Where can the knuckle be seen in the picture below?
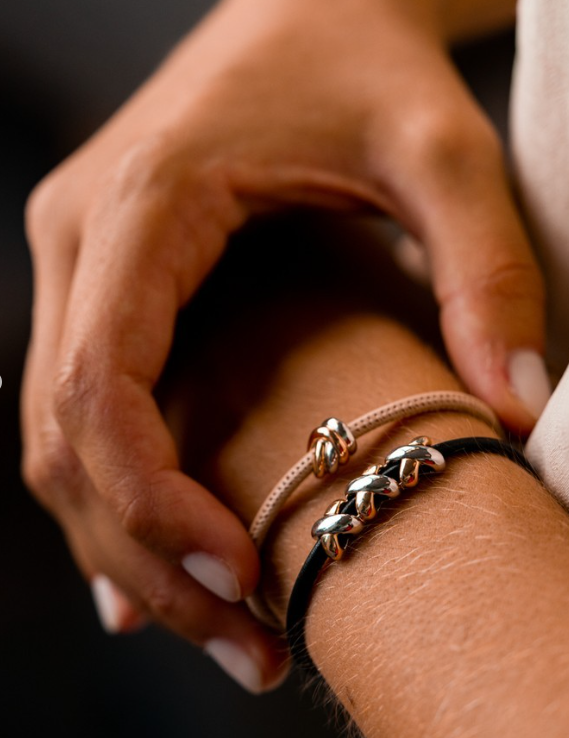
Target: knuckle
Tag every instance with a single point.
(52, 214)
(143, 168)
(39, 207)
(512, 280)
(449, 142)
(76, 389)
(136, 513)
(52, 471)
(161, 601)
(155, 171)
(504, 284)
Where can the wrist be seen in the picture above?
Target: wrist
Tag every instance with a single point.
(434, 598)
(327, 376)
(283, 561)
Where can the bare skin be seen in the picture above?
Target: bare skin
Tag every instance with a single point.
(467, 18)
(264, 106)
(449, 617)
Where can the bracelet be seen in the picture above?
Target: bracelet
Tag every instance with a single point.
(333, 443)
(346, 518)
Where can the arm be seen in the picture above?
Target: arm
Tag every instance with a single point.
(450, 617)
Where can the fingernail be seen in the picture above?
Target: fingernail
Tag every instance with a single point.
(107, 603)
(213, 574)
(412, 257)
(529, 380)
(236, 663)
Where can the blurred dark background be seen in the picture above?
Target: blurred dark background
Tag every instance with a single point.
(65, 66)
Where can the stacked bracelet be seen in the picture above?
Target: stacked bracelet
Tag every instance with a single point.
(364, 495)
(333, 443)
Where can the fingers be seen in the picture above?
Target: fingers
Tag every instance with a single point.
(119, 317)
(49, 464)
(137, 587)
(144, 251)
(489, 288)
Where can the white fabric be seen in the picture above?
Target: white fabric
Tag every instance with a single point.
(540, 142)
(548, 445)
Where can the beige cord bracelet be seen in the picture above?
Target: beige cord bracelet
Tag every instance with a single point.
(334, 442)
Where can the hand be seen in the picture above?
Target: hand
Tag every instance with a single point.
(341, 105)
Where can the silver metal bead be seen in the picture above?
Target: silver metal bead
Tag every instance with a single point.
(342, 523)
(331, 545)
(377, 483)
(423, 454)
(365, 505)
(412, 457)
(335, 507)
(326, 442)
(332, 457)
(343, 430)
(319, 458)
(409, 473)
(334, 524)
(321, 432)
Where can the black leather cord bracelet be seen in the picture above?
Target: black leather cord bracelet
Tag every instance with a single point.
(349, 516)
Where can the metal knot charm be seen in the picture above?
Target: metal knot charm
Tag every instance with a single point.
(332, 444)
(334, 524)
(366, 489)
(416, 454)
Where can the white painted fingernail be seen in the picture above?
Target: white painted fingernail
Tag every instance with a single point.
(213, 574)
(529, 380)
(108, 603)
(236, 663)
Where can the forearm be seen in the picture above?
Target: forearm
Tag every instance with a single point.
(448, 619)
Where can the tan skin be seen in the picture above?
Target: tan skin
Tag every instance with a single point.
(264, 106)
(450, 617)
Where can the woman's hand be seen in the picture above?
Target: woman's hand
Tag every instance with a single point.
(339, 104)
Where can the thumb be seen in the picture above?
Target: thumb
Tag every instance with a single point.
(487, 282)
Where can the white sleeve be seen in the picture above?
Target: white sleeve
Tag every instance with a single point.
(540, 144)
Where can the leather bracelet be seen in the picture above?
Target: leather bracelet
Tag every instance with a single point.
(426, 402)
(348, 517)
(333, 443)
